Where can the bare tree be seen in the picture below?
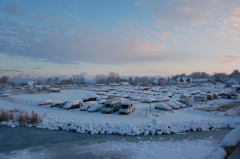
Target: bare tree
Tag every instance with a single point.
(130, 81)
(162, 81)
(144, 80)
(235, 75)
(137, 80)
(82, 80)
(56, 80)
(4, 79)
(101, 79)
(49, 80)
(219, 77)
(38, 82)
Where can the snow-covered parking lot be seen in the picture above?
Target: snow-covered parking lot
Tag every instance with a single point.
(144, 120)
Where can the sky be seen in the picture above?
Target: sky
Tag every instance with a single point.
(42, 38)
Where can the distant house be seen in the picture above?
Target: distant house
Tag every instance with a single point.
(183, 80)
(235, 88)
(233, 81)
(30, 83)
(100, 84)
(200, 80)
(114, 84)
(70, 85)
(125, 84)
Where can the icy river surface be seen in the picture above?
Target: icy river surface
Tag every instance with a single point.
(23, 142)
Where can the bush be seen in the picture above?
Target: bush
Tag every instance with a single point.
(23, 116)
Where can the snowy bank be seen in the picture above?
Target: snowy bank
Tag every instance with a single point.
(230, 143)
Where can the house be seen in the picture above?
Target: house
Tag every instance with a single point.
(200, 80)
(30, 83)
(235, 88)
(233, 81)
(124, 84)
(114, 84)
(183, 80)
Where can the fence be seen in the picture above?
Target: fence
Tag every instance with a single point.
(149, 112)
(21, 101)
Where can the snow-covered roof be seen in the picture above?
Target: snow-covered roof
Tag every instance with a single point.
(233, 80)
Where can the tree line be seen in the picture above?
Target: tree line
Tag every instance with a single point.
(113, 77)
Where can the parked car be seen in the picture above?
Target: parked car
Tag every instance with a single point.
(73, 104)
(230, 96)
(162, 98)
(181, 105)
(127, 107)
(5, 95)
(186, 103)
(200, 98)
(87, 105)
(137, 98)
(209, 96)
(102, 101)
(45, 102)
(86, 99)
(150, 100)
(163, 106)
(55, 103)
(173, 105)
(111, 106)
(95, 108)
(61, 105)
(215, 95)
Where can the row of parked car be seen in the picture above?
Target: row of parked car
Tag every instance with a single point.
(110, 106)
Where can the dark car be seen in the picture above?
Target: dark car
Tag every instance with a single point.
(90, 99)
(61, 105)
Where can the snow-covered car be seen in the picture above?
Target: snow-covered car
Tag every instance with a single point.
(86, 99)
(55, 103)
(194, 93)
(61, 105)
(73, 104)
(102, 101)
(150, 100)
(95, 108)
(117, 95)
(126, 95)
(169, 94)
(45, 102)
(5, 95)
(186, 103)
(162, 98)
(137, 98)
(87, 105)
(163, 106)
(144, 99)
(171, 104)
(181, 105)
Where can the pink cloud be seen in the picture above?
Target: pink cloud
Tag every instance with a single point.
(231, 59)
(236, 11)
(23, 76)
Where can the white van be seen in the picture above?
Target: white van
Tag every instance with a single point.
(111, 106)
(127, 107)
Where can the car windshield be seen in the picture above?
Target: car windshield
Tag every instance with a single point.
(124, 106)
(107, 105)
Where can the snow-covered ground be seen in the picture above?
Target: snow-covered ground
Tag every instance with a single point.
(156, 122)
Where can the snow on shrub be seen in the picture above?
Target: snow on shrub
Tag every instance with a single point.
(23, 117)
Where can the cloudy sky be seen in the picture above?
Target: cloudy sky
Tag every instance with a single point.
(42, 38)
